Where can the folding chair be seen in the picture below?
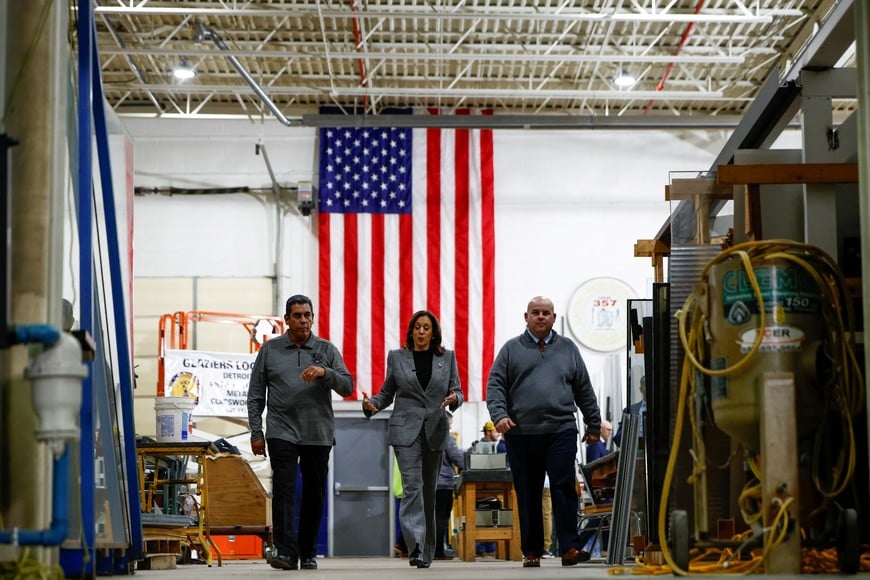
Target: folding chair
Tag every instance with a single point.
(593, 519)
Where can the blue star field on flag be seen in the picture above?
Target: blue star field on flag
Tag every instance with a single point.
(365, 170)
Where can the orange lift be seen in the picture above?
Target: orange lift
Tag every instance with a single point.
(175, 329)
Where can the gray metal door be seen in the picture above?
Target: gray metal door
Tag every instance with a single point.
(361, 496)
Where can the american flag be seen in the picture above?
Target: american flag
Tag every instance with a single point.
(406, 222)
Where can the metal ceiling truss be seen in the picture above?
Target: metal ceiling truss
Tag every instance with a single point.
(515, 57)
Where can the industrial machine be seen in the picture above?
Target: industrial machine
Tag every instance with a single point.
(483, 455)
(769, 347)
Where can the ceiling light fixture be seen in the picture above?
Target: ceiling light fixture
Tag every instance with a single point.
(184, 71)
(624, 79)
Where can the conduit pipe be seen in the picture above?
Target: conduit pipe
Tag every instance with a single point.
(683, 39)
(6, 144)
(56, 375)
(357, 38)
(30, 333)
(56, 533)
(279, 231)
(205, 33)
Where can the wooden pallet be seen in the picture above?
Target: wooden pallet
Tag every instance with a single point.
(162, 548)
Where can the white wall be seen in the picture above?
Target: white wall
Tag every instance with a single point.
(569, 207)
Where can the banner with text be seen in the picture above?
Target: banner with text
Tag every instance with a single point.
(218, 381)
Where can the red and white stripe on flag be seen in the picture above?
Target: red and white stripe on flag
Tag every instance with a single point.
(379, 262)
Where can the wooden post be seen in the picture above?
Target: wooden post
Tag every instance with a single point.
(656, 250)
(779, 467)
(752, 193)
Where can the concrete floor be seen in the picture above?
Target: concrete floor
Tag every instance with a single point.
(382, 569)
(394, 568)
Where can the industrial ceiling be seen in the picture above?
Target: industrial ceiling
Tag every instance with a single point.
(288, 58)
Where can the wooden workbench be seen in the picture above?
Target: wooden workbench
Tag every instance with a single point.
(476, 484)
(239, 505)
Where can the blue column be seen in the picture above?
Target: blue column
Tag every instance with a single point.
(125, 365)
(81, 561)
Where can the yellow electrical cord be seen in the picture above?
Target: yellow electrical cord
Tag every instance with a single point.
(672, 460)
(27, 567)
(687, 307)
(750, 512)
(847, 393)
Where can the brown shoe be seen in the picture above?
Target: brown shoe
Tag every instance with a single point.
(573, 556)
(284, 563)
(531, 561)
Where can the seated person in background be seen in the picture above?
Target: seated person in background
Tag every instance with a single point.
(599, 449)
(491, 435)
(638, 408)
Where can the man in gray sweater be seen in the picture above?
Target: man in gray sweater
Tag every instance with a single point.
(536, 383)
(293, 377)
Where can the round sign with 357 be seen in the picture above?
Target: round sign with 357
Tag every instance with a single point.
(597, 313)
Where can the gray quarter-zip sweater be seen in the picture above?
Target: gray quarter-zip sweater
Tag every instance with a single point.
(297, 411)
(541, 391)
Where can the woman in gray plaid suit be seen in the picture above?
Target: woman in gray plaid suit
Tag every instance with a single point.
(423, 379)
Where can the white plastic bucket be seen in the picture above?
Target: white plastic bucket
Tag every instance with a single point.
(173, 417)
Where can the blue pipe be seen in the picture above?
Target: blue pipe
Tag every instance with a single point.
(56, 534)
(28, 333)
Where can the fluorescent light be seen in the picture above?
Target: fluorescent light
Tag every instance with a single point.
(624, 79)
(184, 71)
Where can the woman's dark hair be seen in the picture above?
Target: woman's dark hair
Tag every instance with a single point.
(298, 299)
(435, 343)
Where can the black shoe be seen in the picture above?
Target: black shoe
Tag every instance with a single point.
(283, 563)
(309, 564)
(418, 560)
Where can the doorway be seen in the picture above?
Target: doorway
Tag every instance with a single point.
(360, 488)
